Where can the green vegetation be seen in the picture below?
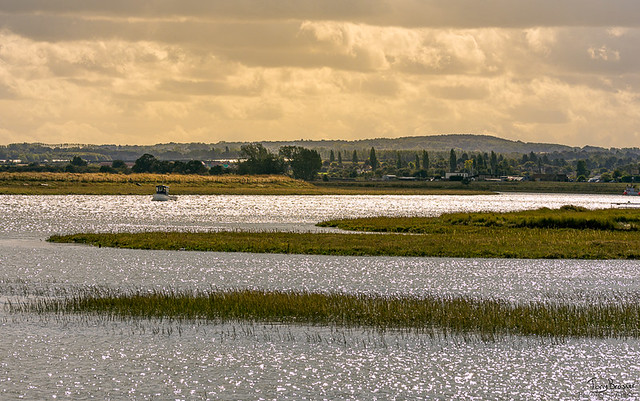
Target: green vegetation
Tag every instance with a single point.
(305, 163)
(487, 318)
(483, 186)
(569, 233)
(478, 156)
(144, 184)
(567, 217)
(44, 183)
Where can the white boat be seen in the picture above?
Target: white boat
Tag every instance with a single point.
(162, 194)
(631, 191)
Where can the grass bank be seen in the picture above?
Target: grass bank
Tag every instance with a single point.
(568, 233)
(144, 184)
(566, 217)
(452, 314)
(488, 186)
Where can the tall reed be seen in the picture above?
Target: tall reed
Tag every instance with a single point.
(450, 313)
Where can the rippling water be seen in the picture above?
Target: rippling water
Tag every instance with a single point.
(43, 215)
(84, 356)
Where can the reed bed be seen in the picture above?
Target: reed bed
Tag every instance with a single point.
(445, 241)
(494, 186)
(143, 184)
(487, 318)
(568, 216)
(151, 178)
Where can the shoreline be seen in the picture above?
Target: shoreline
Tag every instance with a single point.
(144, 184)
(570, 232)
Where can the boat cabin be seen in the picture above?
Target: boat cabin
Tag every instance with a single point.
(162, 189)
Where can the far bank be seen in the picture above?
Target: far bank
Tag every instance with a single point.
(144, 184)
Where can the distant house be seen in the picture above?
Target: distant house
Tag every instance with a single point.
(389, 177)
(511, 178)
(488, 177)
(224, 163)
(456, 175)
(550, 177)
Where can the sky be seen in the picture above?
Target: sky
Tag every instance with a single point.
(146, 72)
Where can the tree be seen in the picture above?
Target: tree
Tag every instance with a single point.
(177, 167)
(78, 162)
(354, 158)
(417, 162)
(479, 162)
(425, 161)
(581, 168)
(118, 164)
(494, 163)
(332, 156)
(195, 167)
(468, 166)
(216, 170)
(373, 160)
(398, 161)
(305, 163)
(453, 161)
(617, 174)
(259, 160)
(340, 158)
(145, 164)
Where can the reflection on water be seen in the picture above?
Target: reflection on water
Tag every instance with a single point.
(162, 360)
(44, 215)
(42, 356)
(36, 267)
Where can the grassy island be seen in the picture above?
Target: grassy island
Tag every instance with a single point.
(144, 184)
(567, 233)
(486, 318)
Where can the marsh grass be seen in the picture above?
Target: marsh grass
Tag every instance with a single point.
(568, 216)
(150, 178)
(487, 243)
(492, 186)
(144, 184)
(487, 318)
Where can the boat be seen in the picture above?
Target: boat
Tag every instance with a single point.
(631, 191)
(162, 194)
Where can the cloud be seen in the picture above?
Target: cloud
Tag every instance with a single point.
(459, 91)
(408, 13)
(144, 72)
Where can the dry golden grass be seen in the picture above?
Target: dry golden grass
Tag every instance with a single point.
(153, 178)
(143, 184)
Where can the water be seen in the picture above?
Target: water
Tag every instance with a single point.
(79, 357)
(43, 215)
(35, 267)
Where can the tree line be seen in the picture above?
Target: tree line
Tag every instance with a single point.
(306, 164)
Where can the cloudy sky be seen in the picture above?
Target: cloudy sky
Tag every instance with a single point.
(144, 72)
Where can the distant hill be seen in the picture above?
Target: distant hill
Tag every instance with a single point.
(465, 142)
(202, 151)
